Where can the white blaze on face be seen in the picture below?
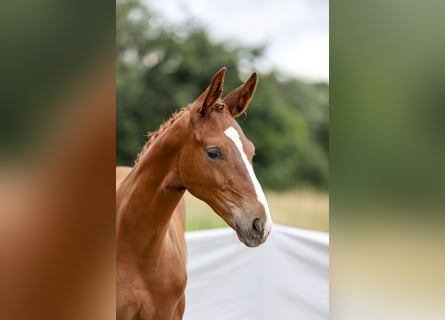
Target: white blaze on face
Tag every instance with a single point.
(234, 136)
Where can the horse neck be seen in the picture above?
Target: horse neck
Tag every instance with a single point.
(146, 199)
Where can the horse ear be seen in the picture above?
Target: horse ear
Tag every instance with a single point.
(212, 93)
(238, 99)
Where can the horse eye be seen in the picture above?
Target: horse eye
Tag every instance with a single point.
(214, 153)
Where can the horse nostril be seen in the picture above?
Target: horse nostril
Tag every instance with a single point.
(257, 227)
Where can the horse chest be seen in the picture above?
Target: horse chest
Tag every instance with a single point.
(165, 285)
(165, 278)
(158, 289)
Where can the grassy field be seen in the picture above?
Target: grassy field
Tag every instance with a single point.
(304, 209)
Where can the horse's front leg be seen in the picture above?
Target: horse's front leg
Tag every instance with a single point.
(179, 313)
(127, 313)
(127, 307)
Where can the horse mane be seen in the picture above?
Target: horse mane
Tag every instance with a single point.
(151, 136)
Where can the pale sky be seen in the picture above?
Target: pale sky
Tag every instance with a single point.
(296, 32)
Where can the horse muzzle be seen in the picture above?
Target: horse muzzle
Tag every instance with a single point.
(253, 233)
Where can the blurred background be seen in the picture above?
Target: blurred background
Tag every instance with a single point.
(57, 160)
(166, 55)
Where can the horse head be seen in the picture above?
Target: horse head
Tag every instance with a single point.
(216, 166)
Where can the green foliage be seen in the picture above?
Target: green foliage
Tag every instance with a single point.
(160, 69)
(287, 135)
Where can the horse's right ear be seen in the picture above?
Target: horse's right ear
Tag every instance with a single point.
(238, 99)
(212, 93)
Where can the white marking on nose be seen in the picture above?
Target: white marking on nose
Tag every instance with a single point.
(234, 136)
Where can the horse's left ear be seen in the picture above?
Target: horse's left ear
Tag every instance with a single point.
(239, 99)
(213, 92)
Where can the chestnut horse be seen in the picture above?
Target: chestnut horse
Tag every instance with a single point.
(202, 149)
